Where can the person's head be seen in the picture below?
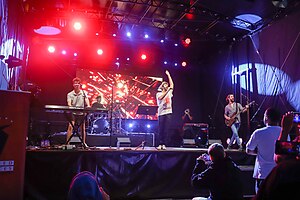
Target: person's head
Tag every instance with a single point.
(163, 86)
(76, 83)
(216, 152)
(99, 99)
(230, 98)
(272, 116)
(84, 186)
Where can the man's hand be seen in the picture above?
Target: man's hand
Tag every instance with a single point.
(168, 73)
(287, 122)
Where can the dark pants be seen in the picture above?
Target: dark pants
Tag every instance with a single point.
(164, 124)
(258, 183)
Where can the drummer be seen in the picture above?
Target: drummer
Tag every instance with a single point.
(98, 103)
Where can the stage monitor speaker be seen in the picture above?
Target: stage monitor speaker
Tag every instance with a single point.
(189, 143)
(123, 142)
(211, 141)
(75, 140)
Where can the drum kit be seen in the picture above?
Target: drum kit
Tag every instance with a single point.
(100, 123)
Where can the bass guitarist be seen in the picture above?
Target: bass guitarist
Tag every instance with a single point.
(233, 119)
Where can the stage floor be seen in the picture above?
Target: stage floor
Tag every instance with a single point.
(125, 172)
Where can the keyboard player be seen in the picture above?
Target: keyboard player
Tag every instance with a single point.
(77, 98)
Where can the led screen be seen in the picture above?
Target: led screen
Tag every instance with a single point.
(121, 93)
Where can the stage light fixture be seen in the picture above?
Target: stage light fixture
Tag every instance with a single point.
(97, 33)
(143, 56)
(77, 26)
(187, 40)
(64, 52)
(146, 36)
(165, 62)
(162, 41)
(47, 30)
(75, 54)
(148, 126)
(128, 34)
(183, 64)
(127, 59)
(114, 35)
(175, 44)
(130, 125)
(99, 51)
(175, 64)
(51, 49)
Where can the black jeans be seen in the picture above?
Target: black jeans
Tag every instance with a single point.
(163, 124)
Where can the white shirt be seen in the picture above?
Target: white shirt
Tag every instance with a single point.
(165, 104)
(264, 140)
(77, 100)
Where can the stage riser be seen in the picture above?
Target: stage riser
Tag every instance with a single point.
(105, 141)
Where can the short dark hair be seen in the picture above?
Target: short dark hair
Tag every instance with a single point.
(227, 98)
(76, 80)
(216, 151)
(273, 114)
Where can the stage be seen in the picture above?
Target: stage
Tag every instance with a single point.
(125, 172)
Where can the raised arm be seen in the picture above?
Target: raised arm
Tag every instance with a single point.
(171, 83)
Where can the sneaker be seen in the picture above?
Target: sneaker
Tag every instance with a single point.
(160, 147)
(163, 147)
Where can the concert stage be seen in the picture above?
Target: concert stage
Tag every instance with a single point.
(125, 173)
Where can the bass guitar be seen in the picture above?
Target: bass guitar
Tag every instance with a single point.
(232, 119)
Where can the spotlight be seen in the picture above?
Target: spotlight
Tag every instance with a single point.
(175, 44)
(175, 64)
(162, 41)
(51, 49)
(148, 126)
(146, 36)
(128, 34)
(99, 51)
(144, 57)
(114, 35)
(127, 59)
(64, 52)
(183, 64)
(165, 62)
(77, 26)
(186, 42)
(75, 54)
(130, 125)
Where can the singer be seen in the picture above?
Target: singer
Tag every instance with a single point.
(77, 98)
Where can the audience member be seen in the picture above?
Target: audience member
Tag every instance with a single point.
(218, 173)
(284, 179)
(84, 186)
(262, 143)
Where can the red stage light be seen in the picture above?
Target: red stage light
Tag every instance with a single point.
(77, 26)
(51, 49)
(183, 64)
(187, 41)
(99, 51)
(143, 56)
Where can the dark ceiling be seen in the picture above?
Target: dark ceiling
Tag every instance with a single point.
(201, 20)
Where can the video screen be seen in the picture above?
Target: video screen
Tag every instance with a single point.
(121, 93)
